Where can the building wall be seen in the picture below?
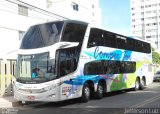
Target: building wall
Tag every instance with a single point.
(11, 26)
(88, 11)
(145, 21)
(17, 16)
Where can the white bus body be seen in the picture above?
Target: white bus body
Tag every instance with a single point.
(71, 59)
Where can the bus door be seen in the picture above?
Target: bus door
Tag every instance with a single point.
(67, 64)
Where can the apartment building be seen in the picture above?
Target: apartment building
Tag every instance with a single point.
(145, 20)
(18, 15)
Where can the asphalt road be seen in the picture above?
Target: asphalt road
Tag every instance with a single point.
(115, 102)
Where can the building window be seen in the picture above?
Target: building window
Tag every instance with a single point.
(22, 10)
(21, 34)
(153, 5)
(154, 24)
(142, 7)
(93, 6)
(75, 6)
(148, 12)
(49, 3)
(147, 24)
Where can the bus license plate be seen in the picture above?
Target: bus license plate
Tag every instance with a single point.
(31, 98)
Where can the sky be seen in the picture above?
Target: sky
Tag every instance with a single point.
(116, 16)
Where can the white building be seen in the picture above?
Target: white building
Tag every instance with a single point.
(145, 20)
(17, 15)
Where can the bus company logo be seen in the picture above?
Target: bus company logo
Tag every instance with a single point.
(114, 55)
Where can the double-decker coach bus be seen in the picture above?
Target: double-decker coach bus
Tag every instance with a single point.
(71, 59)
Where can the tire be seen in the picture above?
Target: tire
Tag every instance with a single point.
(100, 91)
(143, 83)
(86, 93)
(137, 85)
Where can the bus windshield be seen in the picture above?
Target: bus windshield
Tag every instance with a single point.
(42, 35)
(36, 68)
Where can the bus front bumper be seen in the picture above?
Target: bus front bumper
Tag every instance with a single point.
(40, 97)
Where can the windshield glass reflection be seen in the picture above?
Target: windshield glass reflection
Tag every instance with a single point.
(36, 67)
(42, 35)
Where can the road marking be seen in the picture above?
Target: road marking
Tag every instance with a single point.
(145, 102)
(143, 92)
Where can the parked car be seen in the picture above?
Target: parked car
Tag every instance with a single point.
(157, 77)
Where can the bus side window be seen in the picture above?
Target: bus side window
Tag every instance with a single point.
(95, 38)
(93, 68)
(109, 39)
(130, 44)
(139, 46)
(122, 43)
(68, 60)
(147, 48)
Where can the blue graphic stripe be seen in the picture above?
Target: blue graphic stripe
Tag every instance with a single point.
(114, 55)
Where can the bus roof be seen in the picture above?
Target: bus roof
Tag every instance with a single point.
(67, 21)
(93, 26)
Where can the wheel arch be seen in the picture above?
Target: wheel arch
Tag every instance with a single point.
(144, 78)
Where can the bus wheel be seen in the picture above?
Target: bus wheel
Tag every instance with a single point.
(85, 93)
(137, 84)
(99, 92)
(143, 83)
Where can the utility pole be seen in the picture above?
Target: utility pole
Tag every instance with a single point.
(157, 23)
(143, 23)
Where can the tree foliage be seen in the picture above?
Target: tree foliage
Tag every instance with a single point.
(156, 58)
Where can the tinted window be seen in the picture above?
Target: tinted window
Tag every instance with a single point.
(121, 42)
(74, 32)
(130, 44)
(109, 39)
(68, 60)
(109, 67)
(147, 48)
(95, 38)
(139, 46)
(42, 35)
(93, 68)
(98, 37)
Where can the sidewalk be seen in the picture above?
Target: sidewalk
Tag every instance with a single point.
(8, 102)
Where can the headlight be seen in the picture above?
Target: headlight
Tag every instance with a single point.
(47, 88)
(37, 90)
